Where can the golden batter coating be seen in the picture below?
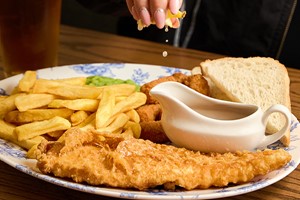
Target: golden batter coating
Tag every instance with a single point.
(110, 160)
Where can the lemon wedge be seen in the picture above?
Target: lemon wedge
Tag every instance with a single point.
(168, 22)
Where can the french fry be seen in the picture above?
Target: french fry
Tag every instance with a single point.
(62, 138)
(118, 123)
(90, 120)
(78, 117)
(115, 131)
(27, 81)
(8, 104)
(30, 130)
(105, 109)
(90, 125)
(40, 109)
(31, 153)
(133, 115)
(31, 101)
(120, 98)
(29, 116)
(134, 127)
(131, 102)
(73, 81)
(2, 98)
(7, 133)
(121, 89)
(75, 104)
(27, 144)
(56, 134)
(6, 130)
(127, 133)
(67, 91)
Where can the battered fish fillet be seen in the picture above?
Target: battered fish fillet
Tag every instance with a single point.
(108, 160)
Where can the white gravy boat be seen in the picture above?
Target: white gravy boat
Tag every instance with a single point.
(198, 122)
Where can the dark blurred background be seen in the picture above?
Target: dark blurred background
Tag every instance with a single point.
(116, 19)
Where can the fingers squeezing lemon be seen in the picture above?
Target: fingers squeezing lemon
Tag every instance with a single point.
(168, 22)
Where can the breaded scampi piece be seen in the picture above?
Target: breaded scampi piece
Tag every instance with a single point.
(180, 77)
(148, 86)
(198, 83)
(151, 128)
(149, 112)
(111, 160)
(153, 131)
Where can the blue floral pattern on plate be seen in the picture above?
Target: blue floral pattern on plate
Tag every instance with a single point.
(140, 73)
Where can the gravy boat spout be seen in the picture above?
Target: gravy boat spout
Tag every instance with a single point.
(198, 122)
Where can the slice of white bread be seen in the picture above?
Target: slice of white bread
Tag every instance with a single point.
(255, 80)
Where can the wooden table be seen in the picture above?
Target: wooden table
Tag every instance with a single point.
(85, 46)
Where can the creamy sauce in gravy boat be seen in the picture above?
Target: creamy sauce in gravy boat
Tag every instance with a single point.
(198, 122)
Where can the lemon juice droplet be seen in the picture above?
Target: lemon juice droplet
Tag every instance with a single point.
(165, 54)
(166, 28)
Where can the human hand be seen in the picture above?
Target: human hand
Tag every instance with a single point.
(149, 11)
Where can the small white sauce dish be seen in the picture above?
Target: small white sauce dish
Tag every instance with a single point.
(198, 122)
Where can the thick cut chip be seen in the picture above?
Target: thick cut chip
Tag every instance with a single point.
(73, 81)
(8, 104)
(78, 117)
(27, 82)
(134, 127)
(56, 134)
(67, 91)
(34, 129)
(75, 104)
(28, 116)
(120, 89)
(105, 109)
(88, 122)
(117, 125)
(7, 133)
(133, 115)
(31, 101)
(135, 100)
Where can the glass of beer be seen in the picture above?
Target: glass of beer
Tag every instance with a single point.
(29, 34)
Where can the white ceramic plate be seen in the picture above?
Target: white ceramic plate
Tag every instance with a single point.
(140, 73)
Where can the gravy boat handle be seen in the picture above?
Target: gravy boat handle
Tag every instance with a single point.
(269, 139)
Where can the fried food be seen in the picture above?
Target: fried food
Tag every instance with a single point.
(148, 86)
(33, 129)
(27, 82)
(196, 82)
(153, 131)
(32, 101)
(111, 160)
(17, 117)
(151, 128)
(8, 104)
(149, 112)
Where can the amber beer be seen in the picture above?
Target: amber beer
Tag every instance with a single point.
(29, 31)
